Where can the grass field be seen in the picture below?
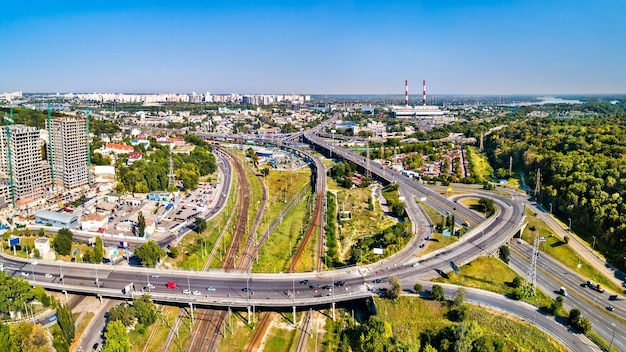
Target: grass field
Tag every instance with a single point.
(558, 249)
(491, 274)
(478, 163)
(411, 316)
(364, 222)
(238, 333)
(274, 255)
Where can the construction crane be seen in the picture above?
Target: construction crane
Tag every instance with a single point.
(8, 120)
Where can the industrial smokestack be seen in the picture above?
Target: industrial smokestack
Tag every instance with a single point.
(406, 93)
(424, 92)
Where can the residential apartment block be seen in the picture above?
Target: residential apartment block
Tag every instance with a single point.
(69, 153)
(27, 163)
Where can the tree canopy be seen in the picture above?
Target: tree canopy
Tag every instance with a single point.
(149, 253)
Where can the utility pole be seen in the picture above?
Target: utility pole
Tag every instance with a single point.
(171, 176)
(531, 275)
(538, 184)
(88, 147)
(50, 152)
(8, 120)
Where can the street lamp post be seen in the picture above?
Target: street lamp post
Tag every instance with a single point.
(593, 246)
(570, 224)
(611, 344)
(550, 208)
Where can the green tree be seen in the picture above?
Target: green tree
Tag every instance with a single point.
(149, 253)
(584, 325)
(372, 335)
(265, 171)
(566, 239)
(505, 253)
(145, 309)
(437, 293)
(97, 250)
(396, 288)
(418, 288)
(123, 313)
(141, 224)
(63, 241)
(574, 316)
(465, 334)
(459, 297)
(200, 223)
(517, 282)
(556, 304)
(116, 338)
(66, 322)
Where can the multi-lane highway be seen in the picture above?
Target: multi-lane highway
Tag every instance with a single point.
(241, 289)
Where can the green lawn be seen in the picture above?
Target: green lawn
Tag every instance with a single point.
(408, 317)
(274, 255)
(478, 163)
(491, 274)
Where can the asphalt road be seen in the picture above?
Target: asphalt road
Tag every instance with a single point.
(552, 275)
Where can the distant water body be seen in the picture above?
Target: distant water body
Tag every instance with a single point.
(547, 100)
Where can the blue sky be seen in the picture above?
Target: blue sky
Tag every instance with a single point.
(314, 47)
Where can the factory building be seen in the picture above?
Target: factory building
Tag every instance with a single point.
(419, 111)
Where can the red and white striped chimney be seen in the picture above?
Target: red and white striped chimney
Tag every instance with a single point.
(424, 92)
(406, 93)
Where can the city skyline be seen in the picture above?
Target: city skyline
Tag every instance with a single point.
(316, 47)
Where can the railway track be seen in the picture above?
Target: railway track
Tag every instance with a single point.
(305, 327)
(260, 329)
(316, 220)
(210, 323)
(230, 261)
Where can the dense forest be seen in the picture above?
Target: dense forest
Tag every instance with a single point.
(582, 166)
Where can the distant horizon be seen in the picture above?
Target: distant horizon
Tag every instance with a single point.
(411, 96)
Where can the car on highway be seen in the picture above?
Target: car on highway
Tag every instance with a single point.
(304, 282)
(186, 292)
(155, 275)
(25, 273)
(377, 281)
(245, 289)
(171, 284)
(609, 308)
(210, 288)
(327, 287)
(150, 286)
(340, 283)
(314, 286)
(196, 293)
(48, 276)
(415, 264)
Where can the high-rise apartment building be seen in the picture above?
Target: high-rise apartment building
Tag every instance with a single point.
(25, 164)
(69, 153)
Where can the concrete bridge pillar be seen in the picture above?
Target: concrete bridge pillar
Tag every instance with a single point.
(100, 298)
(191, 311)
(333, 310)
(66, 298)
(248, 315)
(295, 318)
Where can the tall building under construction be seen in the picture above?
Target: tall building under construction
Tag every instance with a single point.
(24, 169)
(69, 168)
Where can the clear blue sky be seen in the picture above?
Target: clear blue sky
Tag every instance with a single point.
(314, 47)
